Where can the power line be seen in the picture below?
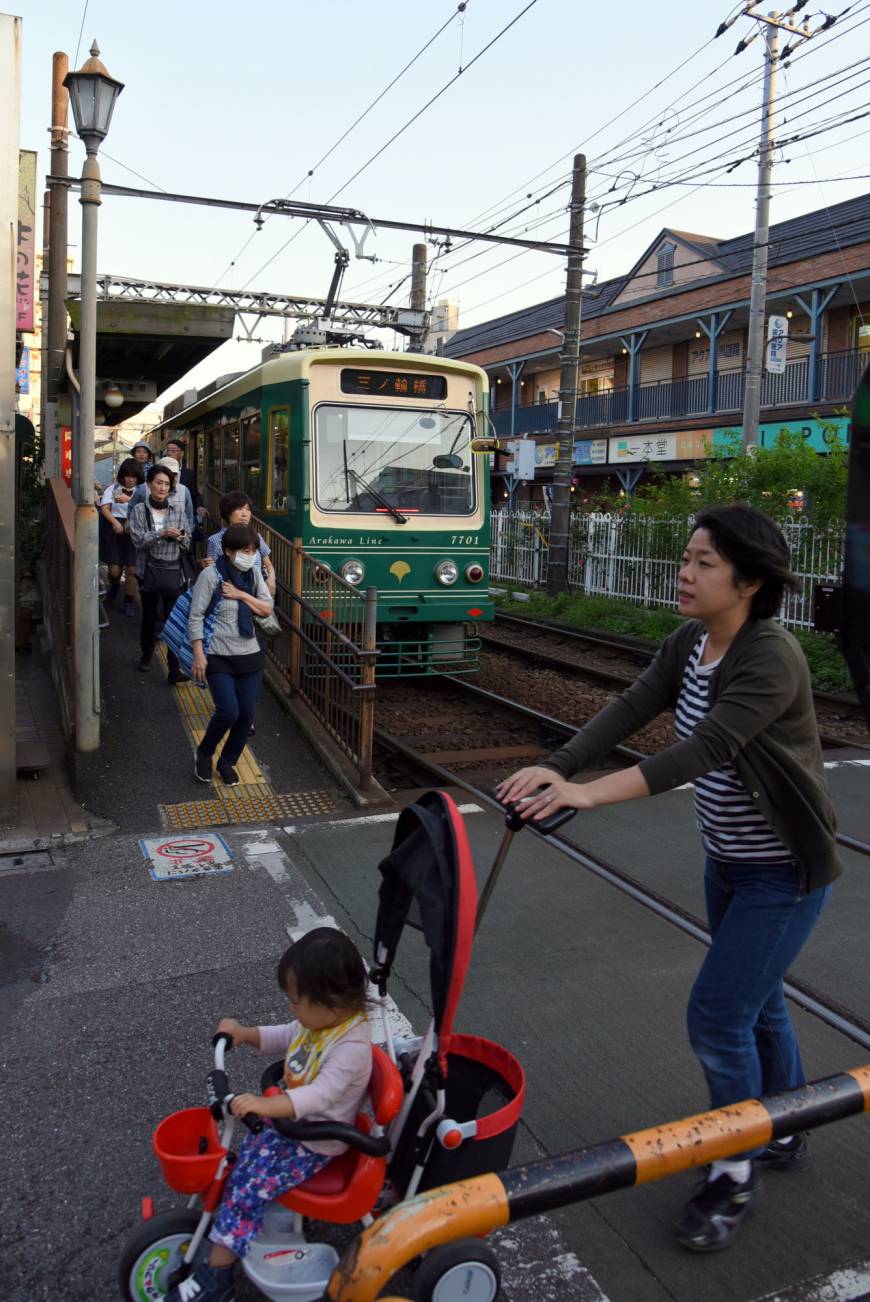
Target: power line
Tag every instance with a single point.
(81, 29)
(460, 9)
(531, 4)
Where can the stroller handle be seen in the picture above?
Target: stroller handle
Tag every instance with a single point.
(515, 823)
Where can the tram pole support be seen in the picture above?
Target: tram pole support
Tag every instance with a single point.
(418, 294)
(560, 515)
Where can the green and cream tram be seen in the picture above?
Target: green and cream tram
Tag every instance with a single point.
(366, 458)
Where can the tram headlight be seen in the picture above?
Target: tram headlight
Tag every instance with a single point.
(353, 572)
(446, 572)
(474, 572)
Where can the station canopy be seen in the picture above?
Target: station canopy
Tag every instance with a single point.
(144, 347)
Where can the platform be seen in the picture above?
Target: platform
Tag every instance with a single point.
(142, 776)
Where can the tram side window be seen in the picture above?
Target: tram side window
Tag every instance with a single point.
(251, 475)
(213, 458)
(231, 457)
(279, 459)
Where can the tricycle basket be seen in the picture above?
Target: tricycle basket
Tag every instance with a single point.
(188, 1149)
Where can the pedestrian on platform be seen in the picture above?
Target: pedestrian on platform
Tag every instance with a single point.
(141, 452)
(158, 527)
(120, 553)
(327, 1051)
(187, 476)
(740, 688)
(233, 668)
(237, 508)
(178, 492)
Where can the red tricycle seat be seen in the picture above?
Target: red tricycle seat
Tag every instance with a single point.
(347, 1188)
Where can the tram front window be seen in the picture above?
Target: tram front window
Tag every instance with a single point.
(381, 459)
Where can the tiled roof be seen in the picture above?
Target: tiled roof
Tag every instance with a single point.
(815, 233)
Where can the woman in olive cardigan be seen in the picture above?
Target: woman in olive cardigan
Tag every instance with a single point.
(748, 740)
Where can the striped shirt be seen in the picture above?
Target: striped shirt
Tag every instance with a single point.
(150, 542)
(732, 829)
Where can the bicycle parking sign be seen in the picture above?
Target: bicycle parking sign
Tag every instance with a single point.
(178, 857)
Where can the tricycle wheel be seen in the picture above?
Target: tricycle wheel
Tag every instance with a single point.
(153, 1255)
(464, 1271)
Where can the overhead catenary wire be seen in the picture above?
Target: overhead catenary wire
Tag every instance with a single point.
(507, 27)
(460, 9)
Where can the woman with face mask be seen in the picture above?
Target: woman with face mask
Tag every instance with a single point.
(233, 668)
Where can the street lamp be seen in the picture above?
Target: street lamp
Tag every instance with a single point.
(92, 94)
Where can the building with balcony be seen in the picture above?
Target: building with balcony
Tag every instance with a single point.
(664, 347)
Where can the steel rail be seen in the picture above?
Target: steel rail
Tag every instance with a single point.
(840, 1019)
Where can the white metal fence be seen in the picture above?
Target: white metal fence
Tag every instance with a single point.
(636, 558)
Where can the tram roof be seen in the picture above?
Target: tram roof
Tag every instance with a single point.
(296, 365)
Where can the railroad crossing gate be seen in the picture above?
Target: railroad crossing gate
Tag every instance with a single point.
(177, 857)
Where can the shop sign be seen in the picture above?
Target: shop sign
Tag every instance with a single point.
(546, 455)
(22, 372)
(685, 445)
(25, 273)
(590, 452)
(66, 459)
(817, 434)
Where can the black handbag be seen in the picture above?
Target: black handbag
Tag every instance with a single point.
(162, 578)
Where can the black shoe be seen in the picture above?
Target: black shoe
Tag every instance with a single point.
(229, 776)
(177, 676)
(785, 1155)
(145, 662)
(206, 1284)
(202, 767)
(713, 1214)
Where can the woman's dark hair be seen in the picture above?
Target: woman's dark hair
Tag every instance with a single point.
(130, 469)
(237, 537)
(232, 501)
(327, 969)
(754, 545)
(154, 470)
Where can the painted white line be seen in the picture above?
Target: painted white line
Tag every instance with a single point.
(364, 820)
(847, 764)
(847, 1284)
(262, 847)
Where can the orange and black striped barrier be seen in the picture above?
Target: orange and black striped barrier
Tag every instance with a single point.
(476, 1206)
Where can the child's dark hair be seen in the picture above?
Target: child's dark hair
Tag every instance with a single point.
(232, 501)
(754, 545)
(130, 469)
(237, 537)
(327, 969)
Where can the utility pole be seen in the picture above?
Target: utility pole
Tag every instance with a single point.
(418, 293)
(54, 322)
(771, 24)
(758, 292)
(569, 362)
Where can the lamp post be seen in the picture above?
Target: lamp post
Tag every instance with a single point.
(92, 95)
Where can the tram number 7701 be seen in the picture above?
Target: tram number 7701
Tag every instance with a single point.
(464, 540)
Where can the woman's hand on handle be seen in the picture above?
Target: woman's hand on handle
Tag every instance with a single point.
(558, 794)
(524, 782)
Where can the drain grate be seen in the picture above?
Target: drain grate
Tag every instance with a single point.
(251, 805)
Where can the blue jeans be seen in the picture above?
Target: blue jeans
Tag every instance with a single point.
(235, 698)
(760, 918)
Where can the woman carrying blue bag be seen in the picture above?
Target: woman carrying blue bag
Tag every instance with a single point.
(233, 664)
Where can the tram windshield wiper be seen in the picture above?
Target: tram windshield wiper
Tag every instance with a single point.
(378, 496)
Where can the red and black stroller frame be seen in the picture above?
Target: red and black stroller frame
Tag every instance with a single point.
(463, 1093)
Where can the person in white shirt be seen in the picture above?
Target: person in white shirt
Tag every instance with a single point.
(120, 554)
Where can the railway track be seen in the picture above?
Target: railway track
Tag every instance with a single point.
(615, 662)
(422, 743)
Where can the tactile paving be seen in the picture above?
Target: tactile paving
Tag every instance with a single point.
(252, 804)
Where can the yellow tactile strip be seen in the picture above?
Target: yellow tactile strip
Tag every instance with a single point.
(245, 808)
(253, 800)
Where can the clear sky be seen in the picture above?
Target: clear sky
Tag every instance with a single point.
(240, 101)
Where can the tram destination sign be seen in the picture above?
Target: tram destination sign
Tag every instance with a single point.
(393, 384)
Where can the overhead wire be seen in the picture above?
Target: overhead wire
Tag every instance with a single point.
(507, 27)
